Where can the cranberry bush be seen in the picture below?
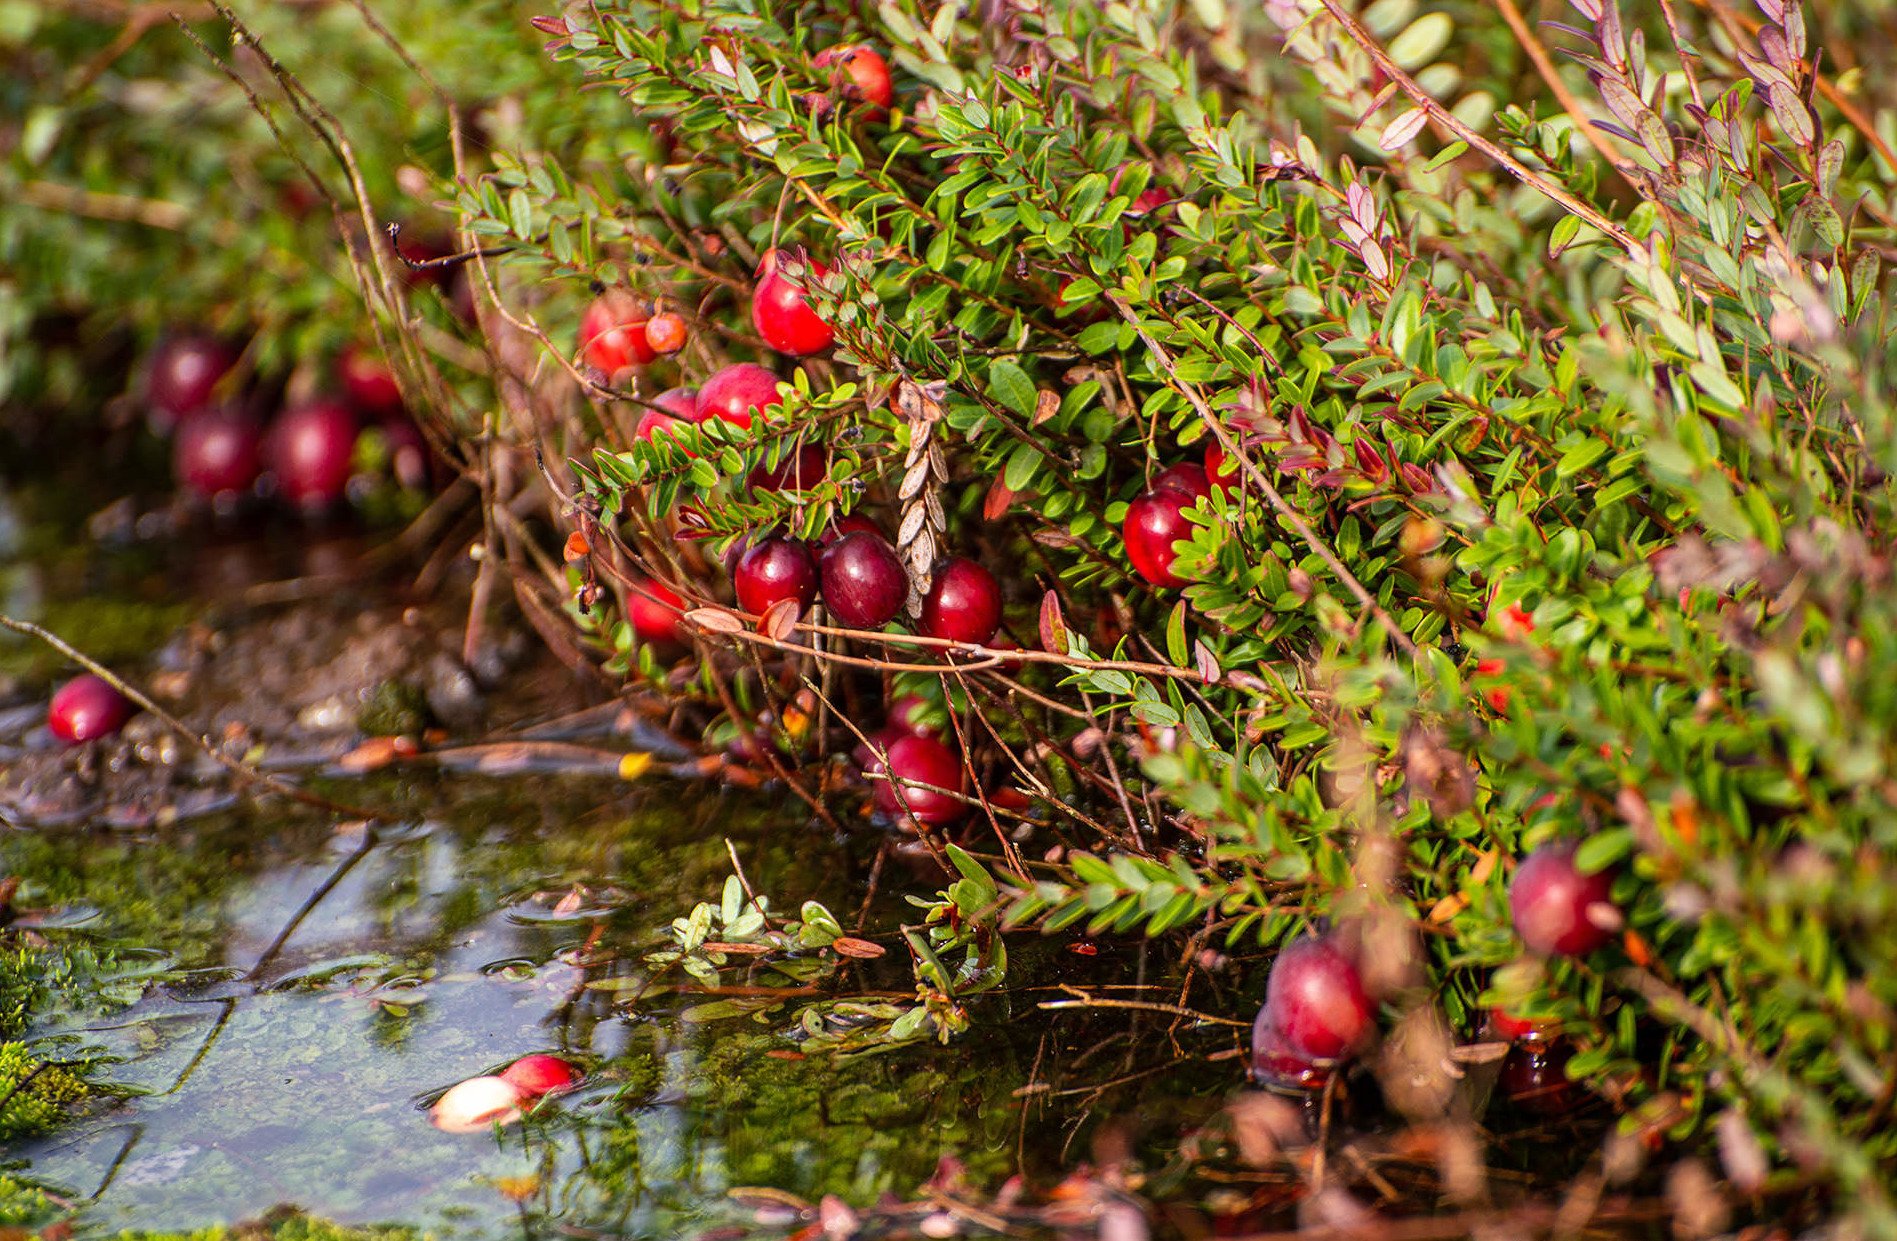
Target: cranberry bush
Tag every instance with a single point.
(1376, 476)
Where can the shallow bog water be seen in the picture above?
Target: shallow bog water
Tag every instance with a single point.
(436, 954)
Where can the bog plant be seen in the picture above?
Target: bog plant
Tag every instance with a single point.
(1543, 486)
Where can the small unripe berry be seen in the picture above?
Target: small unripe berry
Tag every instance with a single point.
(665, 333)
(476, 1104)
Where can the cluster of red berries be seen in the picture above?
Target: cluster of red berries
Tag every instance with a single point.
(220, 452)
(1318, 1013)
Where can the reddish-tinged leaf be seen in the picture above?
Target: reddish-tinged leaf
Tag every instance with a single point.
(1046, 405)
(576, 548)
(1206, 662)
(1053, 628)
(861, 949)
(780, 621)
(741, 950)
(1000, 496)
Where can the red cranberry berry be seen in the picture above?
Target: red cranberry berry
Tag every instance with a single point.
(800, 471)
(665, 333)
(1315, 998)
(86, 708)
(1274, 1062)
(184, 373)
(654, 611)
(538, 1075)
(312, 451)
(1558, 910)
(1154, 522)
(368, 382)
(736, 393)
(783, 317)
(613, 333)
(1188, 478)
(1509, 1028)
(861, 72)
(773, 570)
(864, 584)
(216, 452)
(963, 604)
(1535, 1079)
(925, 761)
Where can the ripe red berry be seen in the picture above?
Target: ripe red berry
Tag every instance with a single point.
(368, 382)
(1509, 1028)
(772, 570)
(1154, 522)
(216, 452)
(1535, 1079)
(665, 333)
(925, 761)
(312, 452)
(1315, 998)
(1186, 477)
(85, 709)
(781, 314)
(1274, 1062)
(1558, 910)
(613, 333)
(800, 471)
(963, 604)
(654, 611)
(736, 393)
(184, 372)
(539, 1075)
(861, 72)
(864, 584)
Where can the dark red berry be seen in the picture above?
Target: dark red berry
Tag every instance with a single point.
(1186, 477)
(800, 471)
(925, 761)
(368, 382)
(861, 72)
(864, 584)
(774, 570)
(183, 376)
(1154, 522)
(665, 333)
(1316, 998)
(86, 708)
(681, 403)
(1535, 1079)
(736, 393)
(217, 452)
(963, 604)
(312, 451)
(1275, 1062)
(613, 333)
(654, 611)
(781, 314)
(1558, 910)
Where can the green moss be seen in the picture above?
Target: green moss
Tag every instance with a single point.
(37, 1094)
(394, 708)
(282, 1225)
(110, 630)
